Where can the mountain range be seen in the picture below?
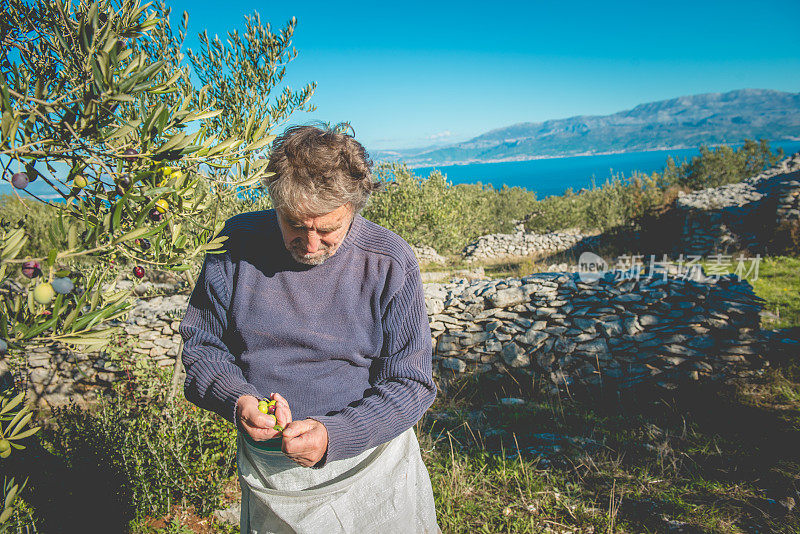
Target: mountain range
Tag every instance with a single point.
(683, 122)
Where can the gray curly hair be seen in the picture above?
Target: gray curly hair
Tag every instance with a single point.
(317, 171)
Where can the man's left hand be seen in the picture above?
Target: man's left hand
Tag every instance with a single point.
(305, 441)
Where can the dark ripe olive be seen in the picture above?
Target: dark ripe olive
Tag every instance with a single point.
(20, 180)
(30, 269)
(123, 184)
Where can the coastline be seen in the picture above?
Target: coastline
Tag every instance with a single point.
(418, 165)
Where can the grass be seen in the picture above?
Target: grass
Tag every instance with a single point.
(710, 459)
(779, 284)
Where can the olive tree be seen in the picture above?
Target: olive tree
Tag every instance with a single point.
(97, 103)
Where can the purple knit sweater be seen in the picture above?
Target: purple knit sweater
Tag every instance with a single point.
(346, 342)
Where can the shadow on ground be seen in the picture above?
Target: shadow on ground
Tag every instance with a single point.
(703, 458)
(82, 497)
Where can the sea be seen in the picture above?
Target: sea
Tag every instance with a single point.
(553, 176)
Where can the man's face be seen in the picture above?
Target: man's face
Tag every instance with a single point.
(313, 240)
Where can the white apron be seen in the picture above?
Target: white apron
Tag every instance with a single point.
(383, 490)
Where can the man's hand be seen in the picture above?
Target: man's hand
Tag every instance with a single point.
(256, 423)
(305, 441)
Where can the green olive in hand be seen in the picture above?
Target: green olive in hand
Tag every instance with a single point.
(268, 407)
(274, 424)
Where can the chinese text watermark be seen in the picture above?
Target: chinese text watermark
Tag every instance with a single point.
(592, 267)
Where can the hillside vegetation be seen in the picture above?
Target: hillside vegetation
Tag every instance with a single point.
(432, 211)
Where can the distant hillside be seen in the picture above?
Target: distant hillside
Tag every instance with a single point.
(684, 122)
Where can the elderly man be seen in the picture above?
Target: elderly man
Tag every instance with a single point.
(322, 311)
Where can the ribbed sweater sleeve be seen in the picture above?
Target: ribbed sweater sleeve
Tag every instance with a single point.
(213, 380)
(402, 385)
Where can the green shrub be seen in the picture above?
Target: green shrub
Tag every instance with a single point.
(432, 211)
(726, 165)
(618, 202)
(159, 451)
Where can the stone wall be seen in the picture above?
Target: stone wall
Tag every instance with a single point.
(496, 246)
(621, 329)
(615, 330)
(741, 216)
(53, 374)
(788, 209)
(426, 254)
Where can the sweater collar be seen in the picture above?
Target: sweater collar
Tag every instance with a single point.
(352, 234)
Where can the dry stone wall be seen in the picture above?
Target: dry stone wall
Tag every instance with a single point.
(53, 374)
(622, 329)
(615, 330)
(741, 216)
(496, 246)
(426, 254)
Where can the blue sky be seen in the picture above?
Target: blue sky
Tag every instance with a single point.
(414, 73)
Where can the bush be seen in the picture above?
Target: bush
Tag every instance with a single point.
(632, 202)
(726, 165)
(432, 211)
(618, 202)
(156, 452)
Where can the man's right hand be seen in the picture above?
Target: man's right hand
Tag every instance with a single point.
(256, 423)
